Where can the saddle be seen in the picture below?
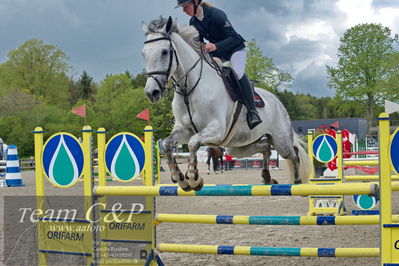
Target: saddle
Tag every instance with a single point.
(234, 89)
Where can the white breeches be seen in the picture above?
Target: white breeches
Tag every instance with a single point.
(238, 61)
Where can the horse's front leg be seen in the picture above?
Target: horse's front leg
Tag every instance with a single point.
(211, 134)
(178, 135)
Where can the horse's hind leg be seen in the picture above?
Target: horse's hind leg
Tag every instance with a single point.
(261, 146)
(292, 157)
(267, 179)
(296, 162)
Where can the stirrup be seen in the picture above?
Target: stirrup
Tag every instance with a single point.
(253, 119)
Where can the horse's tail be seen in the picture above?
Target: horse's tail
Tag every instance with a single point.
(304, 161)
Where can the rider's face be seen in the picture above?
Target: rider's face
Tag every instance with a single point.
(189, 9)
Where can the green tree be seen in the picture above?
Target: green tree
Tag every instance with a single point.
(117, 104)
(37, 69)
(391, 83)
(361, 70)
(139, 80)
(261, 69)
(87, 86)
(162, 117)
(82, 89)
(288, 99)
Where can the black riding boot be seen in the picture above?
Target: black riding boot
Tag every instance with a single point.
(253, 118)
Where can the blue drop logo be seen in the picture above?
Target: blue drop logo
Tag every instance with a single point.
(63, 160)
(125, 157)
(325, 148)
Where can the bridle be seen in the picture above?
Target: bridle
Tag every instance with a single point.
(176, 83)
(166, 73)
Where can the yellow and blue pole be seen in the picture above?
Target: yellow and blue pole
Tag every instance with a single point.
(102, 181)
(310, 137)
(269, 220)
(40, 202)
(244, 190)
(340, 159)
(270, 251)
(311, 133)
(148, 180)
(387, 246)
(340, 172)
(87, 182)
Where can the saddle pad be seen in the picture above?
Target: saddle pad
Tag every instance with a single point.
(259, 103)
(232, 87)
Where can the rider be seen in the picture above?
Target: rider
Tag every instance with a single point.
(225, 43)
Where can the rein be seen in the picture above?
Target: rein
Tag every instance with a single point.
(176, 83)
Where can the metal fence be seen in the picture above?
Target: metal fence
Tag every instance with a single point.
(25, 164)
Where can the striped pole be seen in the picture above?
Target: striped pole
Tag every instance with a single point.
(270, 251)
(246, 190)
(270, 220)
(13, 171)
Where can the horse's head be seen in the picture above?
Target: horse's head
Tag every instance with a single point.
(159, 57)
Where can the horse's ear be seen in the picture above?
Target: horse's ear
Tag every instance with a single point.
(144, 27)
(169, 25)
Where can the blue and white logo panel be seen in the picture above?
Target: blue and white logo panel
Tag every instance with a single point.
(325, 148)
(125, 157)
(63, 159)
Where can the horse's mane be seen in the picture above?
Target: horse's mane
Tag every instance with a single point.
(188, 33)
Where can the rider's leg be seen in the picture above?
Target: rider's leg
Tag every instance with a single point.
(238, 60)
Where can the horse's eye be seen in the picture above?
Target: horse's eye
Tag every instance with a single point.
(164, 52)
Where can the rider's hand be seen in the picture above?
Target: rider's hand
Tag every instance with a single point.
(209, 47)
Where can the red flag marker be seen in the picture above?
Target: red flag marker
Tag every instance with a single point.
(80, 111)
(144, 115)
(335, 124)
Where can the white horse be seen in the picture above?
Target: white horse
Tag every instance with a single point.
(203, 109)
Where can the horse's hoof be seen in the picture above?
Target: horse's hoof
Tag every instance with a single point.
(298, 181)
(186, 189)
(267, 179)
(180, 177)
(199, 186)
(274, 181)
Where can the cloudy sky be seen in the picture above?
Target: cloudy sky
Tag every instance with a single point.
(105, 37)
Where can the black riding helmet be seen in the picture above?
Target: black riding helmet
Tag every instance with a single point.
(181, 3)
